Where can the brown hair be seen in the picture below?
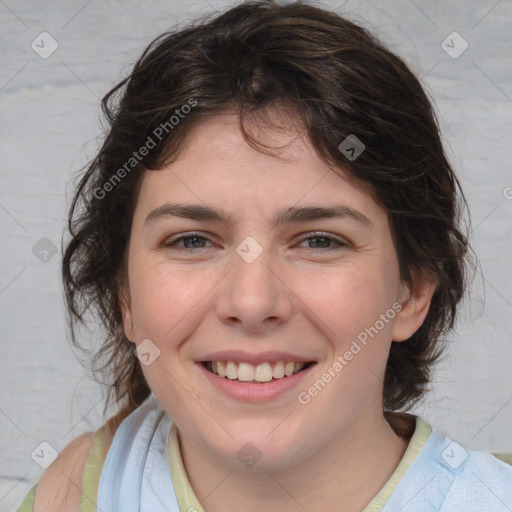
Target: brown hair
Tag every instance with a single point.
(337, 79)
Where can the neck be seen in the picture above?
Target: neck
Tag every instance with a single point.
(345, 475)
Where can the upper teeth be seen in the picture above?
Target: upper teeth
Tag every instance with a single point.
(262, 372)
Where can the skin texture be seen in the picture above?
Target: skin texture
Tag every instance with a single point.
(300, 295)
(59, 488)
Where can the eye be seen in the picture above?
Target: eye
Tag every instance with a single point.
(323, 242)
(191, 241)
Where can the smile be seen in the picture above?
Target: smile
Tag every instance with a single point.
(260, 373)
(251, 389)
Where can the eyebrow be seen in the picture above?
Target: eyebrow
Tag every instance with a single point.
(291, 215)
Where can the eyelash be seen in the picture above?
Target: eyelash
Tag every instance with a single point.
(174, 243)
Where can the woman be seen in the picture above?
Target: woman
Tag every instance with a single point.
(270, 235)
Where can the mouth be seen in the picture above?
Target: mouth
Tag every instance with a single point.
(262, 373)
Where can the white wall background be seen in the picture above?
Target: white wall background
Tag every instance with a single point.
(50, 119)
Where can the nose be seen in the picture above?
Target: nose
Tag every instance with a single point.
(255, 295)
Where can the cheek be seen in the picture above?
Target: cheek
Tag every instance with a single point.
(165, 300)
(348, 301)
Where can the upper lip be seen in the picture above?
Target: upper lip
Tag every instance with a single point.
(247, 357)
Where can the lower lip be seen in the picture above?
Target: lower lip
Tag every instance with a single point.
(249, 392)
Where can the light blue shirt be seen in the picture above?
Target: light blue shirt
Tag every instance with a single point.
(444, 477)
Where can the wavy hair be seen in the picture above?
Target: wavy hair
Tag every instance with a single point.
(337, 79)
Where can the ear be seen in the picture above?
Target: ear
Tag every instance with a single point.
(415, 302)
(125, 303)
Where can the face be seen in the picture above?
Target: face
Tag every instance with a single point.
(281, 282)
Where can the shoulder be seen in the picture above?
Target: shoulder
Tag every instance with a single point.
(60, 487)
(485, 480)
(475, 480)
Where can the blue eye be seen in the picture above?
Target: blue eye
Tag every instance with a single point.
(193, 241)
(329, 239)
(194, 237)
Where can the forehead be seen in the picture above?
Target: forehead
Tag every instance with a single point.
(218, 167)
(220, 139)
